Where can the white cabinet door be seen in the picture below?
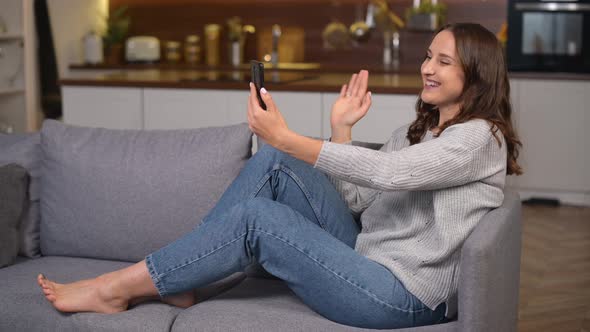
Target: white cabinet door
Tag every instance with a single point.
(554, 133)
(117, 108)
(237, 105)
(302, 111)
(184, 108)
(387, 113)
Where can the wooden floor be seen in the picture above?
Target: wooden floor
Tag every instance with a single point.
(555, 270)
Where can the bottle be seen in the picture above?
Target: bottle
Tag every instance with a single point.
(93, 54)
(212, 36)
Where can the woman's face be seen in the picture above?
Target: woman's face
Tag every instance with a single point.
(442, 74)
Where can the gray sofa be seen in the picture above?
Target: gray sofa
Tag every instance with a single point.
(101, 199)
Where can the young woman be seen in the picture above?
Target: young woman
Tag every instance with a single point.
(417, 198)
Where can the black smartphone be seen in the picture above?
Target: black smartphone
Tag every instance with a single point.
(257, 73)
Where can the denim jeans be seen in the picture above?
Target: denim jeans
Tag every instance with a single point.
(287, 216)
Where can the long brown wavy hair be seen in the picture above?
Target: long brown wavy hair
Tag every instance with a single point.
(485, 95)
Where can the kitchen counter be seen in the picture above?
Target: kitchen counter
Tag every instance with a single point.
(281, 80)
(310, 77)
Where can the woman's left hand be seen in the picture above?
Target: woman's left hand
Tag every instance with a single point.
(270, 124)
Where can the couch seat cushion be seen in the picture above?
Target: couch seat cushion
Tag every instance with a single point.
(23, 306)
(266, 305)
(122, 194)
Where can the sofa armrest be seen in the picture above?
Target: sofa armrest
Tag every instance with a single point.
(490, 270)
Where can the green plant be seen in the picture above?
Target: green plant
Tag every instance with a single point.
(427, 7)
(117, 27)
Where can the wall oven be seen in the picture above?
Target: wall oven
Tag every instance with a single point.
(548, 35)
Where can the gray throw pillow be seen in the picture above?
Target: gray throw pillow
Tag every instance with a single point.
(24, 150)
(121, 194)
(13, 195)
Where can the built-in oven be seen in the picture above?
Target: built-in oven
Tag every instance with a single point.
(548, 35)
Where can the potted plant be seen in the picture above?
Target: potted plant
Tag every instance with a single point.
(426, 15)
(117, 28)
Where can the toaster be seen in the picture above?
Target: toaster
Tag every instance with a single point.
(142, 49)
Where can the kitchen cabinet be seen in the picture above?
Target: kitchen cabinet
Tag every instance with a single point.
(302, 111)
(176, 108)
(552, 117)
(387, 113)
(104, 107)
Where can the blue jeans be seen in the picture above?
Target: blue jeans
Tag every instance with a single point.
(287, 216)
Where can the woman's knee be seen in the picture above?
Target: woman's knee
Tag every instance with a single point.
(270, 153)
(264, 211)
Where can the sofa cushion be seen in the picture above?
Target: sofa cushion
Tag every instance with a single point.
(24, 150)
(24, 307)
(121, 194)
(13, 195)
(267, 305)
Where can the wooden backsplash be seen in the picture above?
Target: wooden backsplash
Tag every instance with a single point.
(174, 19)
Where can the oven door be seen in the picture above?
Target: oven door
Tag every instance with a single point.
(549, 36)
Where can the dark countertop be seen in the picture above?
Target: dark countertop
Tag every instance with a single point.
(301, 80)
(310, 77)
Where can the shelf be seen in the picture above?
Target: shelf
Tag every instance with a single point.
(10, 36)
(10, 91)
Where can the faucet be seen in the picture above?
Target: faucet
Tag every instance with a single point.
(274, 55)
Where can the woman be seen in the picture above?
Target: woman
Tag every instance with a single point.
(418, 198)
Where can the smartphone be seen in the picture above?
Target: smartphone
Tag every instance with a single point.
(257, 72)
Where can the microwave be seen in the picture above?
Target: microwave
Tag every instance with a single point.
(547, 36)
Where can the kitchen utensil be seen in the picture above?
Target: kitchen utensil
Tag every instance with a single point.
(385, 19)
(359, 30)
(142, 49)
(336, 36)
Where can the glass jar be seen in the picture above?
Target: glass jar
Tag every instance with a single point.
(172, 51)
(192, 49)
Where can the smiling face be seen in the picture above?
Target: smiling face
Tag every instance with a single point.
(442, 74)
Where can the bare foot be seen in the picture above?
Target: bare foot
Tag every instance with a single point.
(94, 295)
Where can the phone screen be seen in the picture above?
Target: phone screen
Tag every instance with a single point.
(257, 72)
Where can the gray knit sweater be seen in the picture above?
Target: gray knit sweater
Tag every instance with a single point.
(418, 203)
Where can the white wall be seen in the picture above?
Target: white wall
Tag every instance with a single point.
(70, 21)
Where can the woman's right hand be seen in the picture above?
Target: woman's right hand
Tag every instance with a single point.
(351, 106)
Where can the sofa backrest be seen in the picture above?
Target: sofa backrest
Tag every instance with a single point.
(121, 194)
